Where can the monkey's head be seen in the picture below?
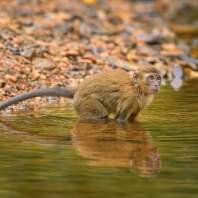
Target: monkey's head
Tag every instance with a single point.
(148, 78)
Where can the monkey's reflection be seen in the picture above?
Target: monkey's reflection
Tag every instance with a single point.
(108, 144)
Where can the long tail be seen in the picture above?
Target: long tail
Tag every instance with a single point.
(54, 91)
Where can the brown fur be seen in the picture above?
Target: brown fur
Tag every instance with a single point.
(112, 92)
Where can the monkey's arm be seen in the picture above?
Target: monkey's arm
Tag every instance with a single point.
(127, 109)
(121, 117)
(54, 91)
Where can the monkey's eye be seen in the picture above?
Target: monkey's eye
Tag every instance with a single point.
(158, 77)
(151, 77)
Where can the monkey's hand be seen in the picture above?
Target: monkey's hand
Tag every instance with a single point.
(121, 117)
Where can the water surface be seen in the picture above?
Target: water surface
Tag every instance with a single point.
(49, 152)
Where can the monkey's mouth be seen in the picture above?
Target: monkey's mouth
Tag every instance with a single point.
(154, 90)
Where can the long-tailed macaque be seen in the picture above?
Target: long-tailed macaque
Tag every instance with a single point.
(110, 92)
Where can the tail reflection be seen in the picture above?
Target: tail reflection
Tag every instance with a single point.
(108, 144)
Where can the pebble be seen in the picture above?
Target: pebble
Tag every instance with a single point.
(11, 78)
(43, 63)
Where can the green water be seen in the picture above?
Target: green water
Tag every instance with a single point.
(50, 153)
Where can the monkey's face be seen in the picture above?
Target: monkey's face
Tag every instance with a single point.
(148, 78)
(153, 82)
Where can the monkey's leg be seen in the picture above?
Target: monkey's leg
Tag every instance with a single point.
(90, 108)
(132, 117)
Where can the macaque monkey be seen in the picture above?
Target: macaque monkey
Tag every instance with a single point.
(110, 92)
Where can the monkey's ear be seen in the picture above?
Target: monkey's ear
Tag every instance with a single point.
(135, 77)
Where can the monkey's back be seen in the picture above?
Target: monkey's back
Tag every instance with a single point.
(107, 87)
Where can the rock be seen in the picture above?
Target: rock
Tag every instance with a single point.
(169, 46)
(11, 78)
(72, 53)
(25, 70)
(28, 53)
(177, 71)
(114, 60)
(189, 59)
(176, 52)
(2, 91)
(90, 57)
(84, 60)
(43, 63)
(2, 83)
